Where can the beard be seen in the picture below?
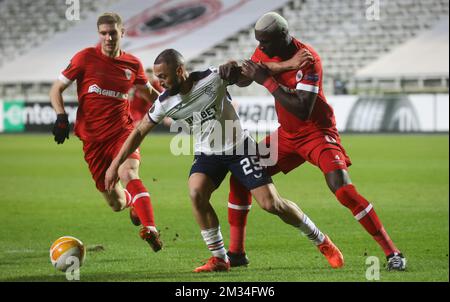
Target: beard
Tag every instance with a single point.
(175, 89)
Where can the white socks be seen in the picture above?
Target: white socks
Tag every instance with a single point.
(309, 229)
(214, 240)
(152, 228)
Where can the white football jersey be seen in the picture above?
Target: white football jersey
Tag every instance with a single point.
(206, 111)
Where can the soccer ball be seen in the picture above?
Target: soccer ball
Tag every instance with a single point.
(62, 251)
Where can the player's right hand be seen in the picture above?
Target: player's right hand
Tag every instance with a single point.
(230, 72)
(301, 59)
(61, 128)
(111, 177)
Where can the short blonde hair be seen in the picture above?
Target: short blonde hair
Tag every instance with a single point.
(272, 22)
(109, 18)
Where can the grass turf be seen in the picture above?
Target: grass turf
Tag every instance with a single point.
(47, 192)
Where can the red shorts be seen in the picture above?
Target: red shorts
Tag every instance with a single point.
(99, 156)
(322, 150)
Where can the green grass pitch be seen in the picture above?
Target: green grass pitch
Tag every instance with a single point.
(46, 192)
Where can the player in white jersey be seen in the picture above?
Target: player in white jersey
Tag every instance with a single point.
(201, 100)
(206, 109)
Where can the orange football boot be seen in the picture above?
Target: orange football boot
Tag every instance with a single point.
(332, 253)
(214, 264)
(152, 238)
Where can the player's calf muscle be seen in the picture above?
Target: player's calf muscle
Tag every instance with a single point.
(115, 200)
(128, 171)
(266, 199)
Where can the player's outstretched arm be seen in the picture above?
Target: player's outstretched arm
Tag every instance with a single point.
(131, 144)
(150, 94)
(61, 127)
(147, 92)
(300, 60)
(300, 104)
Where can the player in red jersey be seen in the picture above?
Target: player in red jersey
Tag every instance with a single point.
(138, 105)
(307, 132)
(104, 75)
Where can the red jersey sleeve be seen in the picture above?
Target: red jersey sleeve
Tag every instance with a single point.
(141, 77)
(309, 79)
(74, 70)
(255, 58)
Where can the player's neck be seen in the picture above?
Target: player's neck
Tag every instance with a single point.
(290, 50)
(113, 54)
(187, 84)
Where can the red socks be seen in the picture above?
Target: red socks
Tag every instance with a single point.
(365, 214)
(239, 204)
(141, 202)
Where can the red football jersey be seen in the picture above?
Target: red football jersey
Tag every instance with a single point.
(309, 79)
(139, 106)
(102, 86)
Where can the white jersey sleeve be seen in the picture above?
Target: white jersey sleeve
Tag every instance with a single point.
(157, 112)
(216, 71)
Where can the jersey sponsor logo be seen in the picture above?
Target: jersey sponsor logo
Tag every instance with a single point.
(203, 116)
(299, 76)
(128, 73)
(115, 94)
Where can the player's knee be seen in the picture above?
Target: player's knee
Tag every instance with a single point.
(349, 197)
(116, 204)
(269, 203)
(116, 207)
(198, 197)
(127, 173)
(239, 194)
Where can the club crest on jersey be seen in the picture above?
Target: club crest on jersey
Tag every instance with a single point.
(299, 76)
(330, 139)
(128, 74)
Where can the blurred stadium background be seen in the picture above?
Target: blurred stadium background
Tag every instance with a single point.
(385, 63)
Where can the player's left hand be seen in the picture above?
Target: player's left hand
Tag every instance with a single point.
(230, 72)
(256, 72)
(61, 128)
(111, 178)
